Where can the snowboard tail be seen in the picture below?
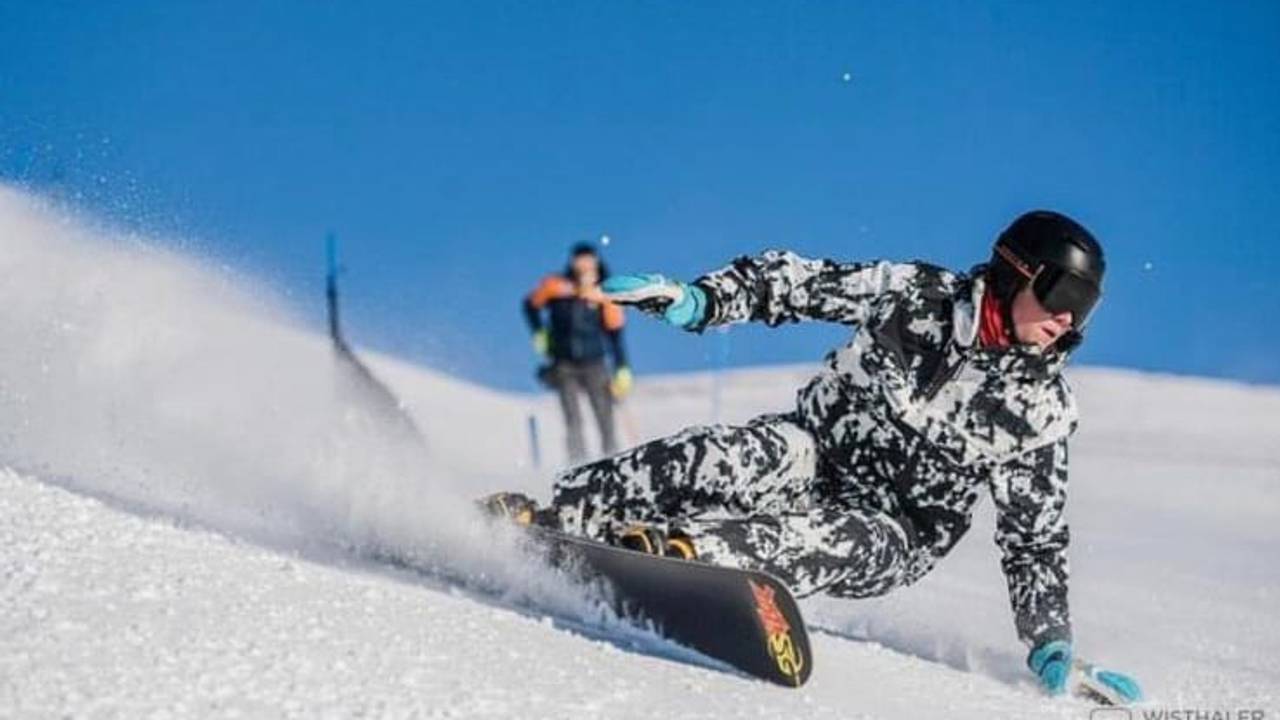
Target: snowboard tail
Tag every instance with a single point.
(746, 619)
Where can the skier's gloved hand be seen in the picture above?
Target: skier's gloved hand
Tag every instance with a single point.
(1106, 685)
(681, 305)
(620, 386)
(1051, 662)
(541, 342)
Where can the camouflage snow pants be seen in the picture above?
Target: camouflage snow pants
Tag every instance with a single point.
(750, 496)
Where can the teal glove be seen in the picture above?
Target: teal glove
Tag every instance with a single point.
(1057, 667)
(682, 305)
(1105, 686)
(1051, 662)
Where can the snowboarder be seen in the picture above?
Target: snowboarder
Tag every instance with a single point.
(581, 327)
(950, 388)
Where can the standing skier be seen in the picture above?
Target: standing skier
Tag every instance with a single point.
(581, 327)
(951, 387)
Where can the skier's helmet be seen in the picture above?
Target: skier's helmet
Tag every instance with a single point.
(1061, 260)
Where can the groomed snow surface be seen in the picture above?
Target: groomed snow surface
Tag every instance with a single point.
(190, 508)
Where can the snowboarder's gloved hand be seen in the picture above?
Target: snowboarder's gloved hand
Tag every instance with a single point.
(679, 304)
(1051, 662)
(541, 342)
(1107, 685)
(622, 381)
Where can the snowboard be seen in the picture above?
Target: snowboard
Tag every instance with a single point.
(743, 618)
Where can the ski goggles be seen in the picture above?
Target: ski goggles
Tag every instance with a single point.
(1058, 290)
(1062, 291)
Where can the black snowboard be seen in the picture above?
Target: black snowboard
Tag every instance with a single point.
(746, 619)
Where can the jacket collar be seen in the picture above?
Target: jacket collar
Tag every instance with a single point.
(1025, 360)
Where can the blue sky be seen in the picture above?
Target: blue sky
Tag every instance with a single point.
(458, 149)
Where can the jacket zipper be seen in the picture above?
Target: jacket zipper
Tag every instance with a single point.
(943, 377)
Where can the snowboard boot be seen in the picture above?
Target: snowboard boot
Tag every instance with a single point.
(518, 508)
(654, 541)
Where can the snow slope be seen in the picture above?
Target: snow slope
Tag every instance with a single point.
(188, 500)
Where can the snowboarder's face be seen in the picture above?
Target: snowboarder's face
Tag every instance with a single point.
(586, 270)
(1033, 324)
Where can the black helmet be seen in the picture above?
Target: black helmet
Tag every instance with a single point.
(1058, 256)
(585, 248)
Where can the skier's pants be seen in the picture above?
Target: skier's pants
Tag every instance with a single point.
(748, 496)
(572, 379)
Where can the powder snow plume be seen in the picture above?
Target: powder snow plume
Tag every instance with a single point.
(166, 385)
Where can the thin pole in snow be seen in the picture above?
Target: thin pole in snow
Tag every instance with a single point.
(535, 450)
(331, 288)
(721, 359)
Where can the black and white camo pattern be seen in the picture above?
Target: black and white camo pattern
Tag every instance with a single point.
(875, 474)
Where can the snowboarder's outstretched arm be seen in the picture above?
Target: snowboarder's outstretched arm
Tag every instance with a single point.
(774, 287)
(1031, 529)
(778, 287)
(1030, 493)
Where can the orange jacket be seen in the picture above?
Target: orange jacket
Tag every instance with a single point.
(579, 330)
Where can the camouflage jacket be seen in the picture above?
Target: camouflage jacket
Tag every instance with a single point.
(913, 418)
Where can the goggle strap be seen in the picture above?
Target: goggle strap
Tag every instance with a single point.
(1012, 258)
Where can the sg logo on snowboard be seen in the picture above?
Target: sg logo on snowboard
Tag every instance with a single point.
(777, 630)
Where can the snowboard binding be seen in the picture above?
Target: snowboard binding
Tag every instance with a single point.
(518, 509)
(655, 541)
